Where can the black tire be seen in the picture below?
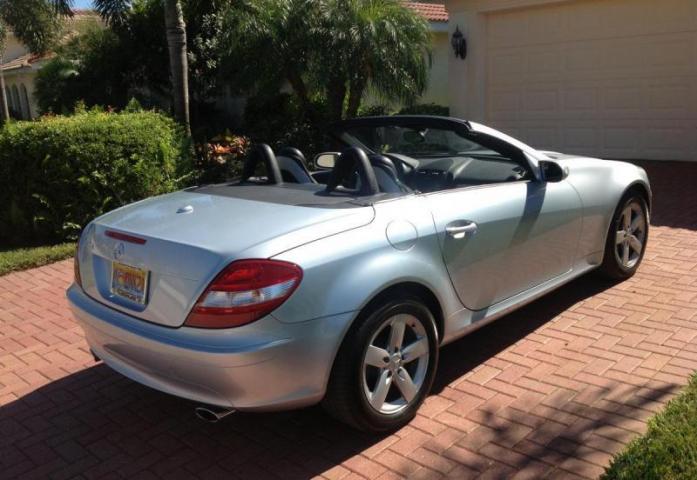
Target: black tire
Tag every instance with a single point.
(613, 266)
(346, 398)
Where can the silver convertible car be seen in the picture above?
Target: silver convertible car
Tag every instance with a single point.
(287, 288)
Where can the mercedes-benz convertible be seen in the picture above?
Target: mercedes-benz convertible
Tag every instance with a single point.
(288, 287)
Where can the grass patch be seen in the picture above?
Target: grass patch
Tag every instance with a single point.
(668, 450)
(23, 258)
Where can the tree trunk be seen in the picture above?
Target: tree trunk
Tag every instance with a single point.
(335, 99)
(178, 63)
(357, 87)
(4, 110)
(300, 89)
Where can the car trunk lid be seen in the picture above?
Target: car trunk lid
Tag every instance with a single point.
(180, 241)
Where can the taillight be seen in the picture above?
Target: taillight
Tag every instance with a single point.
(76, 266)
(243, 292)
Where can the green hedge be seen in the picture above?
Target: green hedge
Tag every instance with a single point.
(58, 173)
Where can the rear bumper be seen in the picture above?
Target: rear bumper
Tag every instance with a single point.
(267, 365)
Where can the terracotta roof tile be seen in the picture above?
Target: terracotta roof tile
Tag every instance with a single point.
(433, 12)
(23, 61)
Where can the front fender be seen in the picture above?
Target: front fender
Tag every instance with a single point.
(600, 184)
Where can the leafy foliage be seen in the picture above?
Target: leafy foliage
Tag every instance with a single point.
(376, 44)
(58, 173)
(109, 66)
(668, 450)
(36, 23)
(416, 109)
(426, 109)
(221, 158)
(336, 49)
(280, 121)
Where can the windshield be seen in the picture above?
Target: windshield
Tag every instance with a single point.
(415, 141)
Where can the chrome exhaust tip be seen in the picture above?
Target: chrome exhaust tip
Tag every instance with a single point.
(212, 414)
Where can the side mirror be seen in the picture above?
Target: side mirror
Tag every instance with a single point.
(553, 172)
(326, 160)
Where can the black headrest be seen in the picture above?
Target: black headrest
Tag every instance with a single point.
(262, 153)
(385, 163)
(293, 153)
(292, 162)
(352, 160)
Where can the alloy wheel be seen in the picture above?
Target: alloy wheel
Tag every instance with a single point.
(395, 364)
(631, 235)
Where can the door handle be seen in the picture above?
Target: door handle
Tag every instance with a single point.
(460, 229)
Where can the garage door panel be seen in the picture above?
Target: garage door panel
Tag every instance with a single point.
(623, 100)
(622, 140)
(581, 139)
(673, 52)
(671, 98)
(618, 79)
(541, 100)
(581, 100)
(506, 103)
(545, 135)
(666, 141)
(544, 63)
(507, 67)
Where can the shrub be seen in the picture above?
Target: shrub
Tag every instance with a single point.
(426, 109)
(374, 111)
(279, 121)
(221, 158)
(58, 173)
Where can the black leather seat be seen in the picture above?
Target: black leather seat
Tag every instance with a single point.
(354, 168)
(353, 174)
(386, 174)
(293, 166)
(261, 154)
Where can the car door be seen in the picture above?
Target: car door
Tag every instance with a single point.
(502, 239)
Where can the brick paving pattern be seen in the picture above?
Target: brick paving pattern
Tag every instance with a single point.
(551, 391)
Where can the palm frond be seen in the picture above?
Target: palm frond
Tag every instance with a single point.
(112, 11)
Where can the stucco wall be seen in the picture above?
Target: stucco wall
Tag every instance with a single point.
(437, 90)
(25, 80)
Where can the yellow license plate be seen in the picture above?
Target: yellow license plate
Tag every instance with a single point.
(129, 282)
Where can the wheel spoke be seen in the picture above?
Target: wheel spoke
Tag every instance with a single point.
(635, 244)
(379, 394)
(415, 350)
(625, 254)
(405, 384)
(619, 237)
(396, 334)
(627, 218)
(375, 356)
(636, 224)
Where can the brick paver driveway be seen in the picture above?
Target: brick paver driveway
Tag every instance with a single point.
(552, 390)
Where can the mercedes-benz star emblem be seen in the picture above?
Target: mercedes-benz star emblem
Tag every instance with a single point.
(118, 250)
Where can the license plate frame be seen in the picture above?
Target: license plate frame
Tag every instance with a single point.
(129, 282)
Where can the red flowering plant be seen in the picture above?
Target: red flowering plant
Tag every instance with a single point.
(221, 158)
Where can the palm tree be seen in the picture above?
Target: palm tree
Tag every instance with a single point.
(379, 45)
(272, 40)
(115, 11)
(335, 48)
(35, 23)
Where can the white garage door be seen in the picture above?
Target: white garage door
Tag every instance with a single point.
(608, 78)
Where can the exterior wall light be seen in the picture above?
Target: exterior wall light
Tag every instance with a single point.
(459, 43)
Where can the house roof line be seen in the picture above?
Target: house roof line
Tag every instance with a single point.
(433, 12)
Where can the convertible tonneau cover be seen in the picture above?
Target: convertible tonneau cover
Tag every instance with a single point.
(300, 195)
